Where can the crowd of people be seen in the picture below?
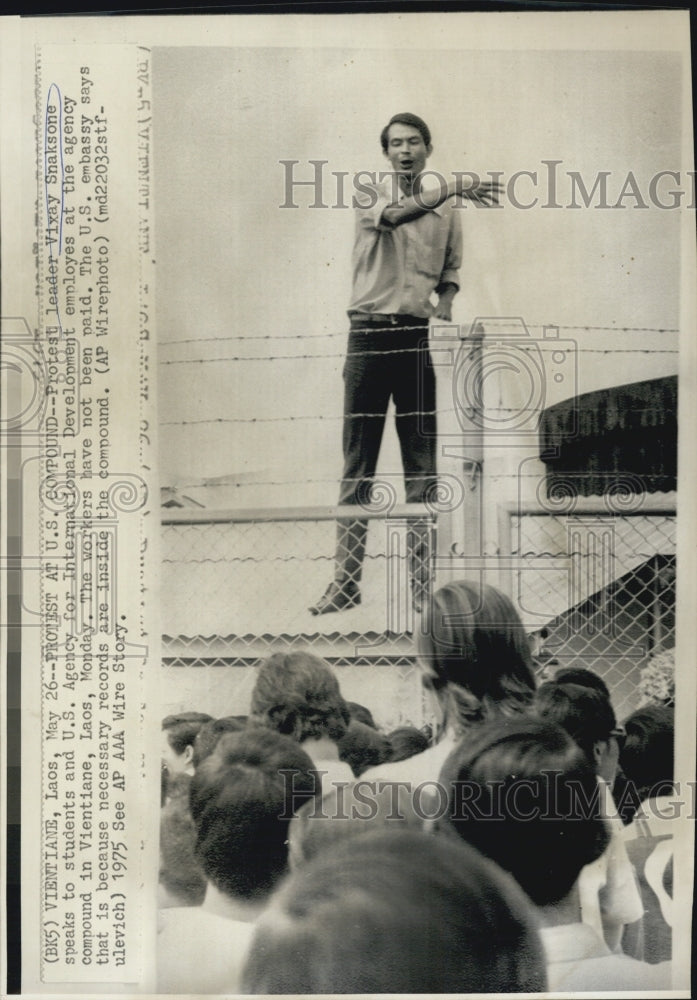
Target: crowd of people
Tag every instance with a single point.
(523, 843)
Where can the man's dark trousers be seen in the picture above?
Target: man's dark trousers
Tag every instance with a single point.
(387, 357)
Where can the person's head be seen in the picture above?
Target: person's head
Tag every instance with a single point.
(298, 695)
(242, 799)
(362, 747)
(210, 732)
(588, 717)
(524, 793)
(361, 714)
(178, 735)
(348, 811)
(406, 142)
(475, 653)
(584, 677)
(647, 757)
(407, 741)
(396, 912)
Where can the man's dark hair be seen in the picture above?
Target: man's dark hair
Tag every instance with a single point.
(242, 800)
(396, 911)
(354, 810)
(406, 742)
(524, 793)
(406, 118)
(210, 732)
(361, 714)
(182, 729)
(583, 712)
(362, 747)
(584, 677)
(647, 755)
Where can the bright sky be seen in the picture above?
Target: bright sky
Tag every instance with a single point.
(232, 263)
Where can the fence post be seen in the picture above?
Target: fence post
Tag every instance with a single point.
(505, 548)
(462, 537)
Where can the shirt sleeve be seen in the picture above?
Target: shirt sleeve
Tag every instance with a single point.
(370, 202)
(453, 252)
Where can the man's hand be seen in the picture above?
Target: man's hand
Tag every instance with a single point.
(444, 309)
(484, 192)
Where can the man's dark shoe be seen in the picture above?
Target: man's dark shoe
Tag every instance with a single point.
(337, 597)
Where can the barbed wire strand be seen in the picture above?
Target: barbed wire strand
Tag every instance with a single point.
(547, 347)
(397, 329)
(329, 418)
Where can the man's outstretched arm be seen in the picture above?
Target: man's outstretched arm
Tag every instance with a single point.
(464, 186)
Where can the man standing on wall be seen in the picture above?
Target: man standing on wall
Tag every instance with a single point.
(408, 245)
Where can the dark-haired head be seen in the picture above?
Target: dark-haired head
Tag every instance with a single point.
(582, 676)
(242, 799)
(298, 695)
(361, 714)
(647, 757)
(406, 742)
(180, 731)
(524, 793)
(210, 732)
(475, 652)
(396, 912)
(406, 118)
(346, 811)
(362, 747)
(588, 717)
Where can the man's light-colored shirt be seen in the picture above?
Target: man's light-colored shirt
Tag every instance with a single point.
(608, 889)
(579, 960)
(650, 845)
(200, 952)
(397, 268)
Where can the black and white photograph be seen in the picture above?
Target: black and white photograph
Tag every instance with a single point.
(351, 450)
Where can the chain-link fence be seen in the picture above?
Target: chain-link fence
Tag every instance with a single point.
(251, 578)
(598, 587)
(237, 586)
(602, 588)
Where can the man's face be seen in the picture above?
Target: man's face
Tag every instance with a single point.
(406, 150)
(607, 759)
(174, 762)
